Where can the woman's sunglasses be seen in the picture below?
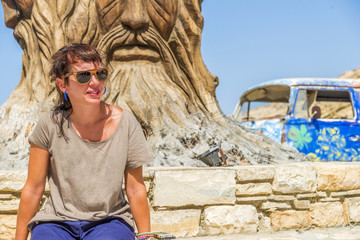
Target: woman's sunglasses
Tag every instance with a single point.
(83, 77)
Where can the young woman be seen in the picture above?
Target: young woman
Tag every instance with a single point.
(85, 147)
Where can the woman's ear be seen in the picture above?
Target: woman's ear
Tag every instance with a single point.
(61, 84)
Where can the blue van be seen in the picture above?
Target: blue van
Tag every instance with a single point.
(318, 116)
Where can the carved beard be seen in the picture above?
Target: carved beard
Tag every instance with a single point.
(142, 88)
(157, 92)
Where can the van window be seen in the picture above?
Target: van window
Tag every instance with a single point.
(262, 110)
(323, 104)
(266, 102)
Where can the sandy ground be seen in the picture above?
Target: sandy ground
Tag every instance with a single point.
(341, 233)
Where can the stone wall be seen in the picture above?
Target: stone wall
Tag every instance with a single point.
(226, 200)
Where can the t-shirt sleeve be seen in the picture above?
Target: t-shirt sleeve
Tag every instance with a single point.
(40, 135)
(138, 152)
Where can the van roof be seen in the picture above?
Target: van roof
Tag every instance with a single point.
(281, 87)
(336, 82)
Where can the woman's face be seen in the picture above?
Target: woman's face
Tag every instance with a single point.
(89, 93)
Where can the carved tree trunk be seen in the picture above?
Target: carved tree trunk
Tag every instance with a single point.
(153, 50)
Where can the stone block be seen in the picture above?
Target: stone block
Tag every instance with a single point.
(148, 173)
(194, 187)
(7, 227)
(6, 196)
(321, 194)
(345, 193)
(329, 199)
(9, 206)
(253, 189)
(255, 173)
(354, 209)
(306, 195)
(12, 180)
(290, 219)
(353, 192)
(251, 199)
(264, 223)
(338, 177)
(147, 185)
(275, 205)
(301, 204)
(230, 219)
(328, 214)
(47, 188)
(294, 179)
(181, 223)
(338, 194)
(282, 198)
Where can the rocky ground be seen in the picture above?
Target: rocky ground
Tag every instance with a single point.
(341, 233)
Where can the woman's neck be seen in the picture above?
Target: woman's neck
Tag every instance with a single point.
(89, 115)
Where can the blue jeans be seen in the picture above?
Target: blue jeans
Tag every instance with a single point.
(107, 229)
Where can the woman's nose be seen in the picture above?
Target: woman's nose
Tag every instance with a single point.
(93, 80)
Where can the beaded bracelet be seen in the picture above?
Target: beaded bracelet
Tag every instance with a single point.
(154, 236)
(143, 236)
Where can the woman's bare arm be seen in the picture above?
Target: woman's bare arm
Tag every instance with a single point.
(136, 193)
(33, 190)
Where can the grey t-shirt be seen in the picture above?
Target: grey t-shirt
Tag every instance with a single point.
(85, 178)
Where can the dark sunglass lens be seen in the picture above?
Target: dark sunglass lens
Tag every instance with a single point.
(83, 77)
(102, 74)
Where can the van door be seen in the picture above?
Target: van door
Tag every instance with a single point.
(324, 124)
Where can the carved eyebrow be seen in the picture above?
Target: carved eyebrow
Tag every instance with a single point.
(109, 6)
(160, 10)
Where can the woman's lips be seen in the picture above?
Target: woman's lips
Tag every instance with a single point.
(93, 93)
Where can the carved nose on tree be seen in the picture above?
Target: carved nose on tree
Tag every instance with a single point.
(135, 15)
(136, 23)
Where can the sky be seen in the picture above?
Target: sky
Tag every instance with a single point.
(246, 42)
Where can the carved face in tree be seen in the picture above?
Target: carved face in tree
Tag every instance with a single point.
(131, 20)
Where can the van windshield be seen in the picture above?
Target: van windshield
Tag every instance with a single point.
(262, 110)
(267, 102)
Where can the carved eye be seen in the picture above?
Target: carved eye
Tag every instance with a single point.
(109, 12)
(163, 14)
